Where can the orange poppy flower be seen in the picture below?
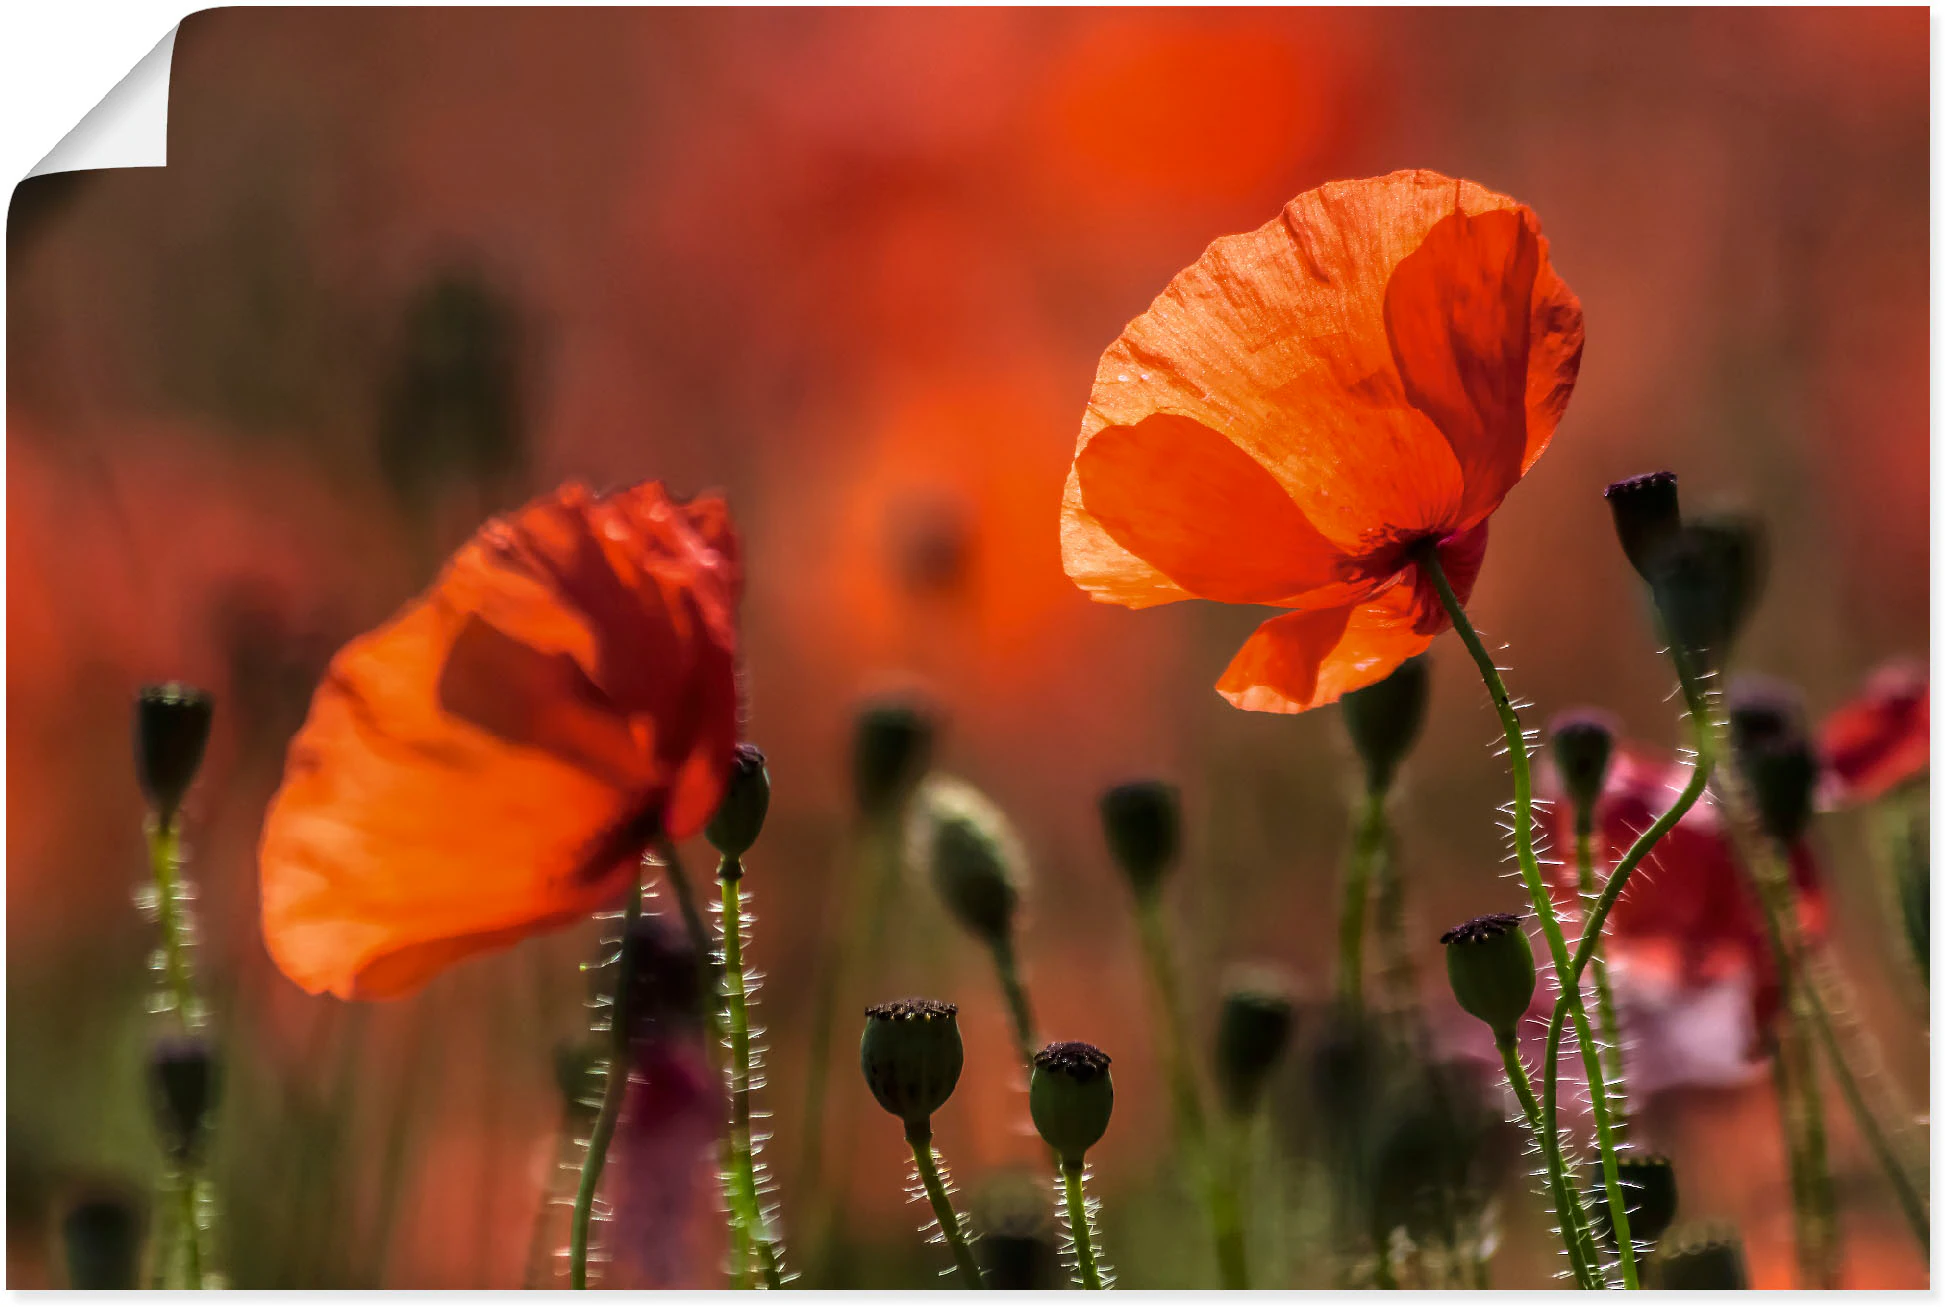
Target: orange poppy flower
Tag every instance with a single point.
(491, 762)
(1307, 403)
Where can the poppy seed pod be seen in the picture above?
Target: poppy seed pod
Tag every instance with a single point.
(912, 1056)
(1583, 745)
(891, 752)
(1252, 1034)
(1737, 548)
(1017, 1249)
(1648, 1188)
(1706, 1257)
(973, 855)
(101, 1237)
(1647, 517)
(1384, 719)
(1143, 820)
(1490, 963)
(184, 1082)
(1774, 754)
(1071, 1097)
(171, 730)
(746, 801)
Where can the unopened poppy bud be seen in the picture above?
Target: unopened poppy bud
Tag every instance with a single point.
(1489, 961)
(1774, 754)
(171, 730)
(1384, 719)
(101, 1237)
(1705, 1257)
(912, 1056)
(1647, 517)
(1648, 1189)
(1252, 1034)
(1071, 1097)
(1737, 548)
(1706, 583)
(746, 801)
(1143, 820)
(184, 1081)
(973, 855)
(891, 752)
(1583, 745)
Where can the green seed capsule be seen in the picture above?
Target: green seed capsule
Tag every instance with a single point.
(1490, 963)
(912, 1055)
(1383, 720)
(1252, 1034)
(1143, 821)
(891, 752)
(973, 855)
(1071, 1097)
(746, 801)
(101, 1235)
(171, 730)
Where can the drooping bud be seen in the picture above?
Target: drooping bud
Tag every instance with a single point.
(1704, 1257)
(1583, 745)
(1252, 1034)
(101, 1237)
(912, 1055)
(973, 854)
(746, 801)
(1143, 820)
(1489, 961)
(1647, 517)
(1774, 753)
(1071, 1097)
(1384, 719)
(184, 1083)
(891, 752)
(171, 730)
(1648, 1186)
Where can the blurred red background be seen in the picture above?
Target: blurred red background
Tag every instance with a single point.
(855, 268)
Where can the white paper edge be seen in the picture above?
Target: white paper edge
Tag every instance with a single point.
(129, 128)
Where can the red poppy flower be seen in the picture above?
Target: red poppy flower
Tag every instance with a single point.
(1689, 908)
(1880, 739)
(491, 762)
(1309, 402)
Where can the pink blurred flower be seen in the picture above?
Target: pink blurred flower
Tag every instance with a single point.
(1880, 739)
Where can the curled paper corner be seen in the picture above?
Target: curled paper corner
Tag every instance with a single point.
(129, 128)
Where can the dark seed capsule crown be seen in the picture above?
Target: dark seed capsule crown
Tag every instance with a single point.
(1489, 962)
(1647, 516)
(1701, 1257)
(171, 730)
(746, 802)
(1384, 720)
(1143, 821)
(1071, 1097)
(912, 1055)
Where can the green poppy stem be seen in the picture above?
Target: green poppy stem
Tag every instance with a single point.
(1536, 890)
(1612, 1063)
(932, 1175)
(1019, 1010)
(607, 1114)
(1566, 1203)
(1366, 847)
(748, 1203)
(1073, 1181)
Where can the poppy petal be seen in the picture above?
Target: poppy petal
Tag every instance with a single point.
(1307, 659)
(490, 763)
(1202, 512)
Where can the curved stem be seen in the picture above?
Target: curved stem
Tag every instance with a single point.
(1565, 1202)
(742, 1152)
(1073, 1178)
(919, 1135)
(1536, 889)
(1365, 847)
(1604, 1014)
(1018, 1009)
(607, 1114)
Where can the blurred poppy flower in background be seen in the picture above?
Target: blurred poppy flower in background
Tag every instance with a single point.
(1310, 402)
(1688, 919)
(491, 762)
(1880, 739)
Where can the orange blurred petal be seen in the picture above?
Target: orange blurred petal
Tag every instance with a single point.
(490, 763)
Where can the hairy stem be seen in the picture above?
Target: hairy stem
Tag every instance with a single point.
(919, 1135)
(1536, 890)
(607, 1114)
(1610, 1026)
(1073, 1179)
(1566, 1203)
(747, 1203)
